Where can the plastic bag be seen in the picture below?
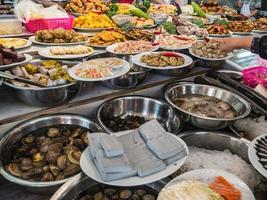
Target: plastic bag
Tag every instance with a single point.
(26, 10)
(245, 10)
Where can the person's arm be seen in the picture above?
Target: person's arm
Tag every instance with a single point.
(255, 44)
(230, 44)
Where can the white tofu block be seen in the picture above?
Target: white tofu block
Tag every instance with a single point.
(151, 130)
(165, 147)
(114, 164)
(111, 146)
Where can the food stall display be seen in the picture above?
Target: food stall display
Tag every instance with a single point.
(203, 134)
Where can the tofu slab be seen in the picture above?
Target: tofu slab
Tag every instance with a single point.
(151, 130)
(114, 164)
(114, 176)
(111, 146)
(173, 159)
(94, 142)
(165, 146)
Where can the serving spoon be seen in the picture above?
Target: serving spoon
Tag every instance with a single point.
(17, 78)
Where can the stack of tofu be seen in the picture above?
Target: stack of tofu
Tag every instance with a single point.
(142, 152)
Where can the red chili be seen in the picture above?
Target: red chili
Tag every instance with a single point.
(170, 54)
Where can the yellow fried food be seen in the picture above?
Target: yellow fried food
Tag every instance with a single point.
(12, 42)
(87, 6)
(123, 8)
(106, 38)
(93, 20)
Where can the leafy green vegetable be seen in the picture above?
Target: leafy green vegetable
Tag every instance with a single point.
(169, 27)
(198, 10)
(144, 6)
(222, 22)
(147, 4)
(198, 22)
(113, 9)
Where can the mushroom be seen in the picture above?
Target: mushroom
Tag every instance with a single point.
(61, 162)
(52, 156)
(55, 147)
(74, 157)
(76, 132)
(28, 140)
(25, 164)
(47, 177)
(54, 169)
(125, 194)
(38, 157)
(53, 132)
(13, 168)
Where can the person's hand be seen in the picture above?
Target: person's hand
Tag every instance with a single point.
(226, 44)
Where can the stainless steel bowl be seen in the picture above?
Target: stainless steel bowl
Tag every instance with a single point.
(217, 141)
(241, 106)
(50, 96)
(8, 141)
(221, 141)
(129, 80)
(142, 106)
(80, 185)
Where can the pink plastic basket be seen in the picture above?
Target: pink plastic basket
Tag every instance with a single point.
(42, 24)
(255, 75)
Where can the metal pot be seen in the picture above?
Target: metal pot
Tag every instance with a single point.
(129, 80)
(8, 141)
(50, 96)
(241, 106)
(143, 106)
(79, 185)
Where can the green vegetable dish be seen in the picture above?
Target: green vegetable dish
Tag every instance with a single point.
(113, 9)
(169, 27)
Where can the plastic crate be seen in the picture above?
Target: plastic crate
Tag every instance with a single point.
(42, 24)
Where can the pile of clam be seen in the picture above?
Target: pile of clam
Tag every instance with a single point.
(52, 156)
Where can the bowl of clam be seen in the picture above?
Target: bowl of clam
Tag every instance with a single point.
(44, 152)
